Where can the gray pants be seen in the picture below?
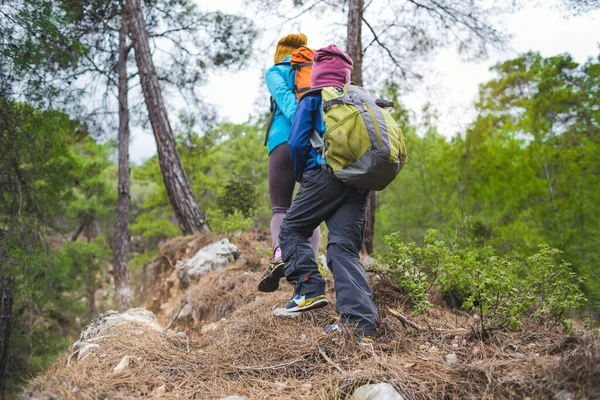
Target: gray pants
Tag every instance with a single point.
(323, 197)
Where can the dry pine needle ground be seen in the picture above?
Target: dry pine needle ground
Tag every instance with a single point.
(250, 353)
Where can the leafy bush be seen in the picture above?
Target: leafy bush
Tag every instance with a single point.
(502, 291)
(238, 195)
(413, 267)
(220, 222)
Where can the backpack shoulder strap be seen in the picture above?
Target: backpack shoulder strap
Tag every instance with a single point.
(272, 108)
(310, 92)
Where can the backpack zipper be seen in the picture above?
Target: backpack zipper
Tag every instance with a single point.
(341, 122)
(365, 105)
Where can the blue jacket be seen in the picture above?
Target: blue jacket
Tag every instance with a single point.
(308, 118)
(280, 83)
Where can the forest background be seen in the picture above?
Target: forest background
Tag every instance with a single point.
(521, 174)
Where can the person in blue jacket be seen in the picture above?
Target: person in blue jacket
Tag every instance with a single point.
(324, 198)
(280, 81)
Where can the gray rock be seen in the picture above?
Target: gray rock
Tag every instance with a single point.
(233, 398)
(110, 319)
(369, 261)
(283, 313)
(564, 395)
(379, 391)
(85, 349)
(93, 333)
(451, 359)
(214, 256)
(180, 335)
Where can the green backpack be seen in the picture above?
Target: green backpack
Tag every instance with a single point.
(363, 145)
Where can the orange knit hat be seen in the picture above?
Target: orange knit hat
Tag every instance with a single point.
(288, 44)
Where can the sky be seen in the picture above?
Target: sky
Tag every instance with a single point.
(450, 86)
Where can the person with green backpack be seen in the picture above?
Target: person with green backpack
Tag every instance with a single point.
(282, 79)
(343, 143)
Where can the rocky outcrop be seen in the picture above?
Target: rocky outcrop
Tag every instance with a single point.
(97, 329)
(110, 319)
(379, 391)
(214, 256)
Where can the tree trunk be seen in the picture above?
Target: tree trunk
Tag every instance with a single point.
(120, 245)
(6, 302)
(354, 49)
(188, 213)
(353, 41)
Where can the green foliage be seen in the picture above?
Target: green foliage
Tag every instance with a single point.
(225, 167)
(51, 173)
(524, 173)
(238, 195)
(221, 222)
(414, 268)
(503, 291)
(229, 223)
(553, 284)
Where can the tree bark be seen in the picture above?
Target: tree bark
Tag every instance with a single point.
(354, 49)
(6, 302)
(188, 213)
(354, 39)
(120, 245)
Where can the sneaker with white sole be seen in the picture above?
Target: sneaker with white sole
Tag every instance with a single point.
(304, 303)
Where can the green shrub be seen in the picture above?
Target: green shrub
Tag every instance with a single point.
(503, 291)
(221, 222)
(238, 195)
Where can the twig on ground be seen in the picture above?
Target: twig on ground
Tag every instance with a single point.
(403, 319)
(276, 366)
(176, 315)
(330, 361)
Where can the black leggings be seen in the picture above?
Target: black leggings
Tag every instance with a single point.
(281, 179)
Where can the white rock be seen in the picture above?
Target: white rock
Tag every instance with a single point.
(186, 310)
(122, 365)
(209, 328)
(110, 319)
(86, 350)
(379, 391)
(159, 391)
(214, 256)
(564, 395)
(451, 359)
(283, 313)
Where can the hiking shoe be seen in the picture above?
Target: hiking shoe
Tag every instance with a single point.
(270, 280)
(360, 340)
(303, 303)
